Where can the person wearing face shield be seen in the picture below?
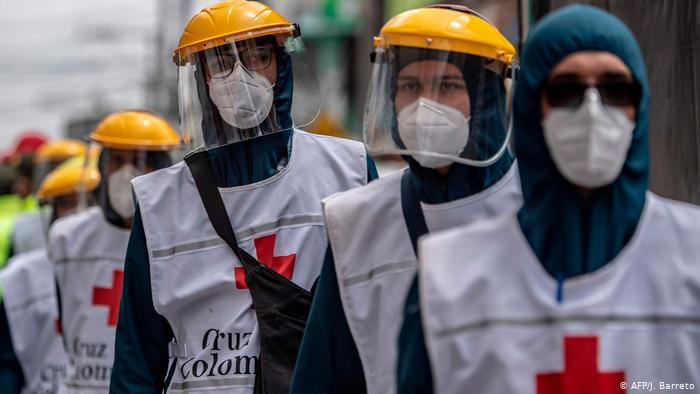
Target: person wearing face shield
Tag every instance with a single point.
(32, 357)
(438, 98)
(216, 297)
(600, 275)
(48, 156)
(87, 249)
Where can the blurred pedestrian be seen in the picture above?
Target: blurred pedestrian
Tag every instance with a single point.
(32, 357)
(88, 249)
(27, 231)
(10, 205)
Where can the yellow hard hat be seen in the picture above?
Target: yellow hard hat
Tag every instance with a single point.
(73, 176)
(228, 21)
(59, 150)
(135, 130)
(448, 28)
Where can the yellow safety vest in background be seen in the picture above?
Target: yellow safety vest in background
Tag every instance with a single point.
(11, 205)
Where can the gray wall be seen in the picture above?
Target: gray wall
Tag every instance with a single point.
(668, 32)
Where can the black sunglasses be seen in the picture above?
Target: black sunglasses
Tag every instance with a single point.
(570, 94)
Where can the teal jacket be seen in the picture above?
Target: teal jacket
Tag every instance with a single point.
(141, 356)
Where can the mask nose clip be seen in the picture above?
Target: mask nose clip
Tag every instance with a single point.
(592, 95)
(592, 103)
(430, 108)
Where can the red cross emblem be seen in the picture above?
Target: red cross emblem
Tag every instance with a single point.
(110, 297)
(265, 249)
(580, 375)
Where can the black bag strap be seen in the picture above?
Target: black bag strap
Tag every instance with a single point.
(206, 182)
(412, 211)
(169, 376)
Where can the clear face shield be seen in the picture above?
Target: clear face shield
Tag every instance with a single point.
(438, 106)
(118, 166)
(241, 87)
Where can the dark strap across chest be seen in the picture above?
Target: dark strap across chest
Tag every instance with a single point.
(281, 306)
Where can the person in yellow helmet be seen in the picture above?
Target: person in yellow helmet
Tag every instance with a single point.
(88, 249)
(54, 152)
(32, 358)
(27, 227)
(228, 244)
(438, 97)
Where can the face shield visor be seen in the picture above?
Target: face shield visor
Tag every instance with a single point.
(241, 87)
(117, 167)
(57, 207)
(438, 106)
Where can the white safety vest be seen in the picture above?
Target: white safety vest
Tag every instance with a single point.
(493, 323)
(29, 298)
(197, 283)
(376, 264)
(28, 233)
(88, 254)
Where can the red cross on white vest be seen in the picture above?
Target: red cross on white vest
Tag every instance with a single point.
(580, 375)
(110, 297)
(265, 249)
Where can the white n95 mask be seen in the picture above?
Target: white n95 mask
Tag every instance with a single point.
(119, 190)
(431, 127)
(588, 144)
(243, 98)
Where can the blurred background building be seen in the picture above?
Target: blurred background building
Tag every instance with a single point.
(67, 63)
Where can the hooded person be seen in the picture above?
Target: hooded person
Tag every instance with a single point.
(32, 357)
(216, 296)
(594, 282)
(87, 249)
(438, 98)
